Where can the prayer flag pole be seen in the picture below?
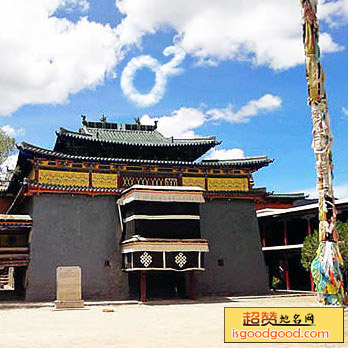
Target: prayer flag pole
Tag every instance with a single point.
(325, 267)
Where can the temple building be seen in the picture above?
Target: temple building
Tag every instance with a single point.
(284, 222)
(137, 211)
(161, 232)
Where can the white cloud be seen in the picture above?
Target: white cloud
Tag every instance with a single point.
(74, 5)
(340, 191)
(328, 45)
(265, 32)
(224, 154)
(162, 73)
(127, 81)
(45, 58)
(312, 192)
(180, 123)
(266, 103)
(345, 111)
(334, 13)
(13, 132)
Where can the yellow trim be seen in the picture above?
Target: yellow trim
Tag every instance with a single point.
(228, 184)
(193, 181)
(56, 177)
(103, 180)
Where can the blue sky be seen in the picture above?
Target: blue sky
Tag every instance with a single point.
(238, 74)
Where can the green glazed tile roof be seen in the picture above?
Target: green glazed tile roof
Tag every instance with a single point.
(35, 151)
(133, 137)
(252, 192)
(288, 195)
(240, 161)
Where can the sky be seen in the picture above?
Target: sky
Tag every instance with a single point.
(229, 68)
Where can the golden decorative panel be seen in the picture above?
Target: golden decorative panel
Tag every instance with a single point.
(104, 180)
(54, 177)
(128, 181)
(190, 181)
(170, 182)
(228, 184)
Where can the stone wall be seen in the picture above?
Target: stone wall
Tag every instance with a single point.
(235, 263)
(76, 230)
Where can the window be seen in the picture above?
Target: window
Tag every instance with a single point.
(12, 240)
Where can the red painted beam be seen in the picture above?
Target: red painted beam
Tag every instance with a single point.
(36, 191)
(263, 236)
(309, 230)
(143, 286)
(286, 242)
(287, 278)
(263, 240)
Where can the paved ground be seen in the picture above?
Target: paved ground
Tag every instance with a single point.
(152, 325)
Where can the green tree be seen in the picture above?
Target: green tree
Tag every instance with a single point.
(311, 243)
(7, 145)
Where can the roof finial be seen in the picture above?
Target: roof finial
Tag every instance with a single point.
(84, 122)
(137, 121)
(155, 126)
(103, 118)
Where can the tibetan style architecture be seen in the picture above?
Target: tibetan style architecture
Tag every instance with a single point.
(14, 253)
(282, 231)
(137, 212)
(161, 232)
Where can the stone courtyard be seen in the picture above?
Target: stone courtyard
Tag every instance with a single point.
(155, 324)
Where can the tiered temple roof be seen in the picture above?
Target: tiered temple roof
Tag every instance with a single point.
(136, 141)
(32, 151)
(107, 158)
